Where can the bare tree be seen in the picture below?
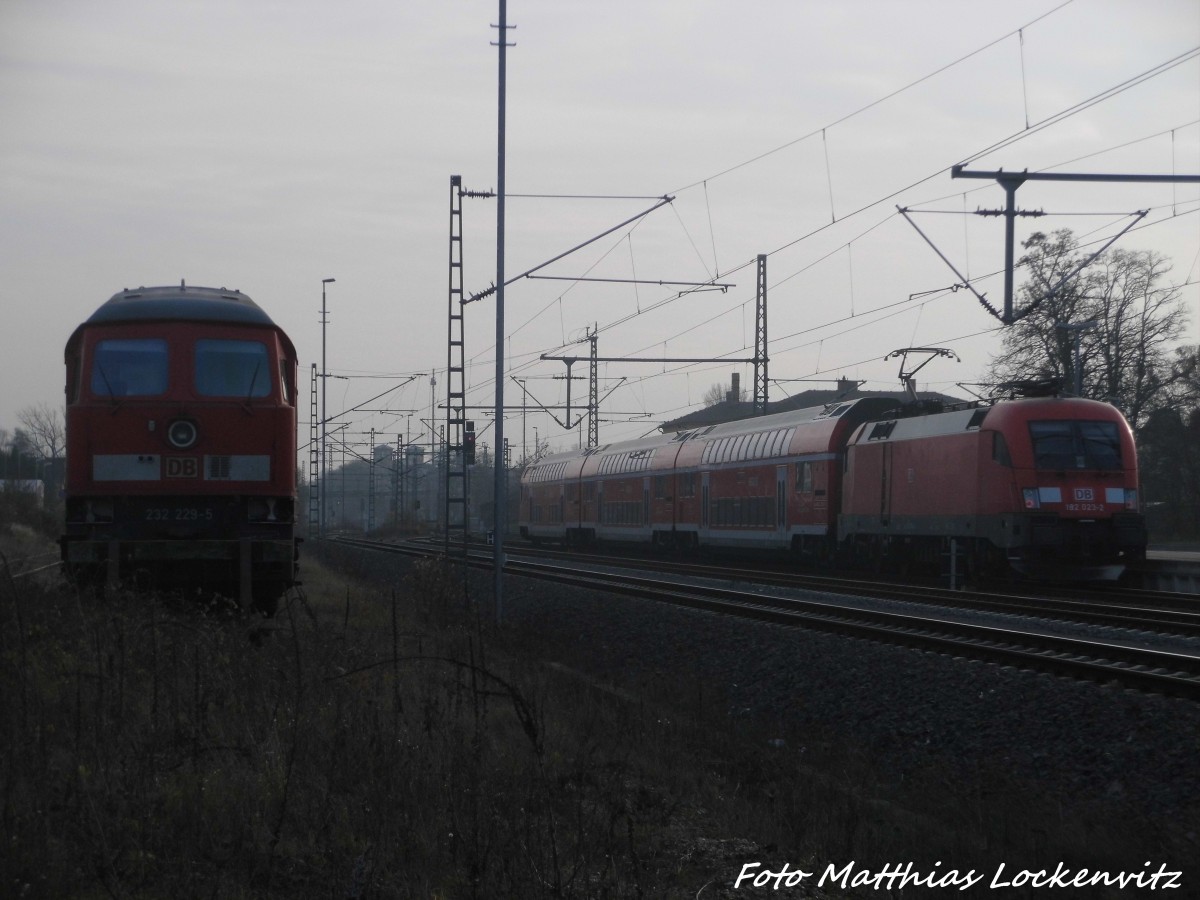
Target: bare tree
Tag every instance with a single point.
(718, 393)
(714, 395)
(541, 448)
(1169, 447)
(1125, 355)
(45, 430)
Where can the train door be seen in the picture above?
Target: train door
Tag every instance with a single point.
(646, 501)
(885, 486)
(781, 492)
(704, 503)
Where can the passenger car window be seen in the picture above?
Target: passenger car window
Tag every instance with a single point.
(228, 368)
(804, 477)
(130, 368)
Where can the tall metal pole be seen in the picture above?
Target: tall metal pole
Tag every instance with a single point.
(324, 417)
(499, 494)
(761, 381)
(524, 453)
(1010, 186)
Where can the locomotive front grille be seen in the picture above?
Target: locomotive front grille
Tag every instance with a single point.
(238, 467)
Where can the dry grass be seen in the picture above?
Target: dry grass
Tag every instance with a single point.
(378, 742)
(358, 745)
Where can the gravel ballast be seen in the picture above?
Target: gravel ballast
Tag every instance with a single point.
(992, 762)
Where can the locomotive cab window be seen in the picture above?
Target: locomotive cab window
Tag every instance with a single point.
(229, 368)
(130, 368)
(1076, 445)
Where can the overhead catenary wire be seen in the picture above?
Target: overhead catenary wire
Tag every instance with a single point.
(865, 322)
(876, 102)
(1045, 123)
(1012, 138)
(1079, 107)
(532, 356)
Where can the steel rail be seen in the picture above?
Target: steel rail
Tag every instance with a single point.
(1183, 620)
(1128, 665)
(27, 572)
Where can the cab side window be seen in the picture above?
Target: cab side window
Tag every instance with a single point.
(286, 368)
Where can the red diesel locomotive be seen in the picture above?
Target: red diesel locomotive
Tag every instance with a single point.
(181, 445)
(1046, 486)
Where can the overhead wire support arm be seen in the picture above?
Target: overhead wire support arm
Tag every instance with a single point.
(959, 171)
(1137, 217)
(654, 359)
(699, 285)
(487, 292)
(1010, 181)
(371, 400)
(982, 298)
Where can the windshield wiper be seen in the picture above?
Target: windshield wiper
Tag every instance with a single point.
(250, 393)
(112, 397)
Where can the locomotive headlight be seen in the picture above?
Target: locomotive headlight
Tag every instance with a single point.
(100, 511)
(182, 433)
(1032, 498)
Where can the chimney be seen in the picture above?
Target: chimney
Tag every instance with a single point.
(735, 391)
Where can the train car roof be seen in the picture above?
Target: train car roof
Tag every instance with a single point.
(180, 302)
(638, 455)
(1001, 416)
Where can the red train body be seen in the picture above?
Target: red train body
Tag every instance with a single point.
(1047, 486)
(181, 444)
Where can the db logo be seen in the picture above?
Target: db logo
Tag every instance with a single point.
(1084, 494)
(182, 467)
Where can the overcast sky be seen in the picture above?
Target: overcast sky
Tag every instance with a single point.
(267, 145)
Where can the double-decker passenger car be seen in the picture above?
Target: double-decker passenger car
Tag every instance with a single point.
(181, 445)
(1045, 485)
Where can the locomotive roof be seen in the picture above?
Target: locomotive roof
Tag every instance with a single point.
(178, 302)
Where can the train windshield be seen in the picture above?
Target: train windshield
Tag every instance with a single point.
(130, 368)
(1076, 445)
(232, 369)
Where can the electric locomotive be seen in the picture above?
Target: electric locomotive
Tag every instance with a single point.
(1044, 486)
(181, 445)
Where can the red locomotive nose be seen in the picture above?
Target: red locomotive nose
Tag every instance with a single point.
(182, 433)
(181, 445)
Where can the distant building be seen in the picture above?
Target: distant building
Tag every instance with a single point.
(733, 408)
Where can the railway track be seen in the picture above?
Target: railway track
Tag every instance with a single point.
(18, 567)
(1158, 611)
(1124, 664)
